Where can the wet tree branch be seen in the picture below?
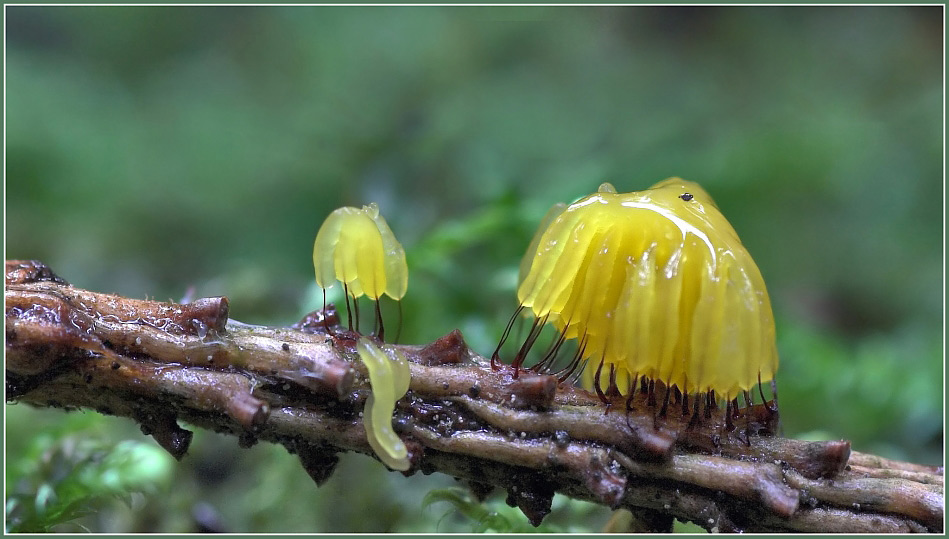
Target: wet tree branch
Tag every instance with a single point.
(161, 363)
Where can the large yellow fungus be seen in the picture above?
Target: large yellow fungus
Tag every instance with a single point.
(653, 284)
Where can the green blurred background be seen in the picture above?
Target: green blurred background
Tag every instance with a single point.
(152, 149)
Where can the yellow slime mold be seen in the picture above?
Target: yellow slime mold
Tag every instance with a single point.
(657, 284)
(390, 381)
(356, 247)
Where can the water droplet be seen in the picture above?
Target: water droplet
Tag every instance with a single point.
(201, 328)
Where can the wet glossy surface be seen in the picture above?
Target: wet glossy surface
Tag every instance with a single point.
(658, 284)
(389, 377)
(356, 247)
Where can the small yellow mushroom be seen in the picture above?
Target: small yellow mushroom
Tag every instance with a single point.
(389, 380)
(356, 247)
(652, 284)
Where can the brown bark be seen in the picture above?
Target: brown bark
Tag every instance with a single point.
(161, 363)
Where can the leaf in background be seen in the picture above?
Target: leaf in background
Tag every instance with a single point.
(484, 519)
(70, 477)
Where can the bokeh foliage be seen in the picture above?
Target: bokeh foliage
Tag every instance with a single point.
(150, 149)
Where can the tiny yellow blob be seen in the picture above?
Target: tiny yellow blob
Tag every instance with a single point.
(356, 247)
(389, 380)
(654, 284)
